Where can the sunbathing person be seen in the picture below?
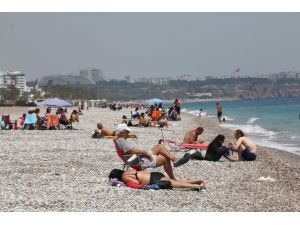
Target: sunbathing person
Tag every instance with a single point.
(191, 137)
(105, 132)
(245, 147)
(156, 157)
(215, 151)
(149, 178)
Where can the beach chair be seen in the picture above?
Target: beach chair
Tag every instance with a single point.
(133, 161)
(7, 122)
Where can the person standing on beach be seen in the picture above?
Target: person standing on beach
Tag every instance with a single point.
(191, 137)
(245, 147)
(219, 111)
(156, 157)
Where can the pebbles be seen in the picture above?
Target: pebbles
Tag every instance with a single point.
(67, 171)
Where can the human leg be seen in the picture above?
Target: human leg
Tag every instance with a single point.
(162, 161)
(160, 149)
(181, 183)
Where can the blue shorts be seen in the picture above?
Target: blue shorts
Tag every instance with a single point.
(248, 156)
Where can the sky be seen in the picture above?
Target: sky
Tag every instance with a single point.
(149, 44)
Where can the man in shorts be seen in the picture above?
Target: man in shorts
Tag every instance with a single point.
(156, 157)
(245, 147)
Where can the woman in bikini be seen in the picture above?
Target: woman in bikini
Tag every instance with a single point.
(149, 178)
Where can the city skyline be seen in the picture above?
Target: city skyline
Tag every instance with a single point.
(149, 44)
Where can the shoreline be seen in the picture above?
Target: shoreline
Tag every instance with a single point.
(66, 170)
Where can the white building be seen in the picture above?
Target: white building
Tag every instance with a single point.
(13, 78)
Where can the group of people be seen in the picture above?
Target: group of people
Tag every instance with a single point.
(159, 156)
(32, 120)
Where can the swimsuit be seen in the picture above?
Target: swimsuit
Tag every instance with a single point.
(247, 155)
(155, 176)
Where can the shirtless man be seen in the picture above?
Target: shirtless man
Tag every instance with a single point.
(191, 137)
(105, 132)
(245, 147)
(155, 157)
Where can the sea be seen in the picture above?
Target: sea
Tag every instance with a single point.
(273, 123)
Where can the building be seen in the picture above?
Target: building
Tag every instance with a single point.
(15, 78)
(93, 75)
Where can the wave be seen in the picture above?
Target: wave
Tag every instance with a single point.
(252, 120)
(250, 129)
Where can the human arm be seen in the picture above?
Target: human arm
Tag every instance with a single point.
(132, 136)
(237, 145)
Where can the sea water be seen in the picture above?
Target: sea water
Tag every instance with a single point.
(272, 123)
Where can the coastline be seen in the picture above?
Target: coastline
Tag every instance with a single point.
(67, 171)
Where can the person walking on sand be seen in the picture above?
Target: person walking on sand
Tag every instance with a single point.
(191, 137)
(245, 147)
(219, 111)
(156, 157)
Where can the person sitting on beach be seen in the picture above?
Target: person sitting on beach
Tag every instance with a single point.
(191, 137)
(156, 157)
(215, 150)
(163, 121)
(245, 147)
(30, 122)
(148, 178)
(74, 116)
(63, 119)
(144, 120)
(155, 115)
(172, 115)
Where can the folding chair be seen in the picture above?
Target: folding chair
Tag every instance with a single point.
(133, 161)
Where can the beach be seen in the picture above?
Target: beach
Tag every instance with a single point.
(66, 170)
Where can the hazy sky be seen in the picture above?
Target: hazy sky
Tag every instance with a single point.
(149, 44)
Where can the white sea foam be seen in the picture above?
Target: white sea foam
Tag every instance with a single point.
(252, 120)
(249, 129)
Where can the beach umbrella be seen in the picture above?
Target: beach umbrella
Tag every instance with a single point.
(155, 100)
(55, 102)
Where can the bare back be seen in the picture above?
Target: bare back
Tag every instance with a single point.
(190, 137)
(247, 143)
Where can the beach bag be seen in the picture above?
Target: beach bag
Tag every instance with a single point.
(164, 184)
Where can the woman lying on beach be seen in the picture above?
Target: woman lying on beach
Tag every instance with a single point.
(215, 151)
(149, 178)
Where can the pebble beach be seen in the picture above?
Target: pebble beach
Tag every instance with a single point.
(66, 170)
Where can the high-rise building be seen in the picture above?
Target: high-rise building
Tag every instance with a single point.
(15, 78)
(94, 75)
